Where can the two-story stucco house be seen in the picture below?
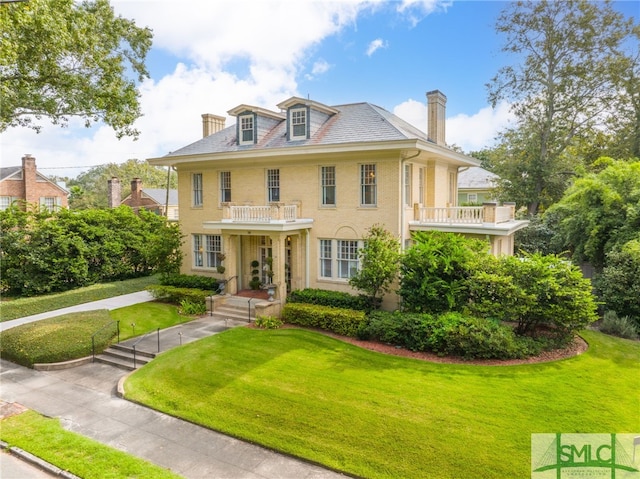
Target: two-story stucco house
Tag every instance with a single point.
(25, 184)
(295, 190)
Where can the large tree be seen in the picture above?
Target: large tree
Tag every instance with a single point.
(61, 59)
(89, 189)
(568, 55)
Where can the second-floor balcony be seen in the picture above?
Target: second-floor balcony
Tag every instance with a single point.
(274, 216)
(469, 219)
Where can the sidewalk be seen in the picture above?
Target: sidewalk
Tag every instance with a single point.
(85, 401)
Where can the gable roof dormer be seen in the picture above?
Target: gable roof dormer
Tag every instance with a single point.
(253, 123)
(304, 117)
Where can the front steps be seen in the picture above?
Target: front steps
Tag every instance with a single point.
(236, 308)
(121, 357)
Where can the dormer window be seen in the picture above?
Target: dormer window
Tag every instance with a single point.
(299, 124)
(246, 130)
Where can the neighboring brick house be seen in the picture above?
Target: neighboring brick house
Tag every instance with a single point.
(476, 186)
(294, 191)
(25, 184)
(151, 199)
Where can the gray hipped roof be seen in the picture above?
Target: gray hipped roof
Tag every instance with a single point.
(159, 195)
(356, 122)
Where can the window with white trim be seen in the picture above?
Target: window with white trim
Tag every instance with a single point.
(298, 123)
(196, 187)
(472, 197)
(225, 186)
(339, 258)
(368, 185)
(6, 202)
(49, 202)
(246, 130)
(328, 185)
(206, 251)
(273, 185)
(325, 259)
(407, 184)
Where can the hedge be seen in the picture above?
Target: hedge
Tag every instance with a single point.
(342, 321)
(323, 297)
(190, 281)
(174, 295)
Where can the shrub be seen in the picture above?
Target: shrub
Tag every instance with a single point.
(190, 281)
(408, 330)
(434, 271)
(323, 297)
(536, 291)
(268, 322)
(173, 295)
(192, 308)
(621, 326)
(342, 321)
(619, 284)
(474, 338)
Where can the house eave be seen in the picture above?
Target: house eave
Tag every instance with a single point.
(249, 227)
(430, 150)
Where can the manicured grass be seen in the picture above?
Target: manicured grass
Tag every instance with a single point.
(69, 336)
(21, 307)
(45, 438)
(381, 416)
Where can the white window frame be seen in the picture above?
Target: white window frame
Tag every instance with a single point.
(472, 197)
(206, 251)
(50, 203)
(6, 202)
(338, 259)
(368, 185)
(273, 185)
(327, 184)
(225, 186)
(247, 125)
(196, 190)
(299, 121)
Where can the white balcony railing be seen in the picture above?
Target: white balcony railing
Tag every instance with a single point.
(465, 215)
(274, 213)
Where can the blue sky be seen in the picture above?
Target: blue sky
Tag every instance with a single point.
(210, 56)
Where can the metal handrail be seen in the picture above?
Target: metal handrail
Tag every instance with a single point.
(133, 346)
(93, 337)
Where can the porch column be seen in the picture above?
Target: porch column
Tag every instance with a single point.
(278, 245)
(231, 249)
(296, 266)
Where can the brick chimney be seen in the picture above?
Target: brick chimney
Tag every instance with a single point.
(29, 174)
(136, 193)
(436, 112)
(211, 124)
(114, 192)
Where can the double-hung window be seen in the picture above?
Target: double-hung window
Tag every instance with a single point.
(273, 185)
(328, 185)
(49, 203)
(196, 185)
(338, 258)
(368, 185)
(246, 130)
(407, 184)
(207, 250)
(5, 202)
(225, 186)
(299, 124)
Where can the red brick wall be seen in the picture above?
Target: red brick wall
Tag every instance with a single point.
(31, 188)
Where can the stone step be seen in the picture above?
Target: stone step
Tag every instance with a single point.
(122, 357)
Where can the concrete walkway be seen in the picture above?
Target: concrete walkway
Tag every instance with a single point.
(85, 401)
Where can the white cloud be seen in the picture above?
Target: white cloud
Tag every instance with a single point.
(320, 67)
(470, 132)
(376, 45)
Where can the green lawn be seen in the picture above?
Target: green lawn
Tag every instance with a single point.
(86, 458)
(69, 336)
(381, 416)
(21, 307)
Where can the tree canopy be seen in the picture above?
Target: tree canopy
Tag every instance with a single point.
(89, 189)
(571, 68)
(61, 59)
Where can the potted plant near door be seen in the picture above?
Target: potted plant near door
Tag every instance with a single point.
(220, 268)
(255, 279)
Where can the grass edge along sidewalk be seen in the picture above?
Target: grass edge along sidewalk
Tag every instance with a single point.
(380, 416)
(23, 307)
